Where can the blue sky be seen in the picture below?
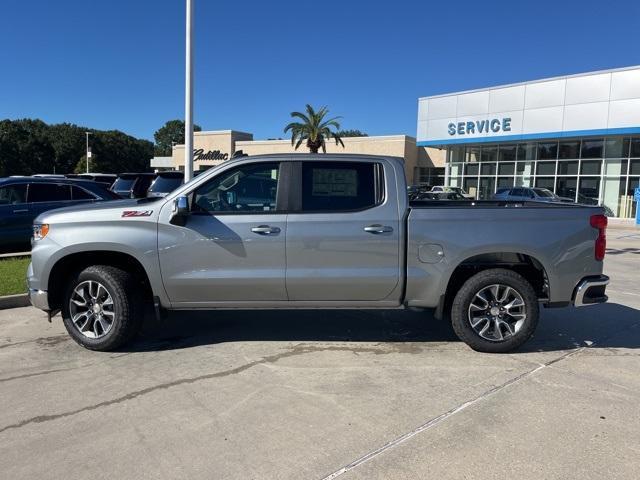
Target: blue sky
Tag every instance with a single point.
(119, 64)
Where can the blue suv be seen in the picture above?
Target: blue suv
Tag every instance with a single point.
(22, 199)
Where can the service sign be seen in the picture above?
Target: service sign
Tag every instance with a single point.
(494, 125)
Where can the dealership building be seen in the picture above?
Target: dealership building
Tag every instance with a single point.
(422, 164)
(578, 136)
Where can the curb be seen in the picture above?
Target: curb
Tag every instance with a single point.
(15, 254)
(14, 301)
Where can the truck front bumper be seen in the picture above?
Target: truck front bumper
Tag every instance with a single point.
(39, 299)
(591, 290)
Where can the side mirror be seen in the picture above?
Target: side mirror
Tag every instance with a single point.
(180, 211)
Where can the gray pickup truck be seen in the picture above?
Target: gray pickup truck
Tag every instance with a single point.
(315, 232)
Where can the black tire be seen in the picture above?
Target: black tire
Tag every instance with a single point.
(462, 305)
(128, 307)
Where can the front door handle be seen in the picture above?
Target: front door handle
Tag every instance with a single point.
(378, 229)
(22, 210)
(265, 230)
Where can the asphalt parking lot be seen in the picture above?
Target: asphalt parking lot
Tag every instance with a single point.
(316, 395)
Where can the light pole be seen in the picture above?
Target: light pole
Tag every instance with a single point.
(188, 96)
(88, 152)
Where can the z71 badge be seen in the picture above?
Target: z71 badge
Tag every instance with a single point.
(137, 213)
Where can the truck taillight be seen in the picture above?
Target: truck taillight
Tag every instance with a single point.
(600, 222)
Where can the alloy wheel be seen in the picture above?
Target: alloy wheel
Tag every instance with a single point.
(497, 312)
(92, 309)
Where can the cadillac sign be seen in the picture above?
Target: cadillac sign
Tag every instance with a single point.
(199, 154)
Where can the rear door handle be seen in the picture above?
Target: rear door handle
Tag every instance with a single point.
(22, 210)
(265, 230)
(378, 229)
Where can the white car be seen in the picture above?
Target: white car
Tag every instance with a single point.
(441, 189)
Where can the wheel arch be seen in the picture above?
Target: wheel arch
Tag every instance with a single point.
(524, 264)
(69, 265)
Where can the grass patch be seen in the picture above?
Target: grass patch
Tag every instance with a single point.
(13, 275)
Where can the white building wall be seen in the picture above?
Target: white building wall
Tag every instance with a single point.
(596, 103)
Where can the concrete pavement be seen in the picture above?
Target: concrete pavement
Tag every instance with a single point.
(340, 394)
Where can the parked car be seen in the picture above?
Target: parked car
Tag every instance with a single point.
(165, 183)
(24, 198)
(458, 190)
(133, 185)
(439, 196)
(530, 194)
(105, 178)
(315, 231)
(414, 191)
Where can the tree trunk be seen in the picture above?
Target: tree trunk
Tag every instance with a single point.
(313, 146)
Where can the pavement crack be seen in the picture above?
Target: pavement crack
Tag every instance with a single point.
(293, 351)
(444, 416)
(36, 374)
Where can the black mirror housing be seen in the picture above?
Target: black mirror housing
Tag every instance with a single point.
(180, 211)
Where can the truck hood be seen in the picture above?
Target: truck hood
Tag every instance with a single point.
(103, 211)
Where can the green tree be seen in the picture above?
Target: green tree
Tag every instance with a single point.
(24, 149)
(113, 151)
(69, 143)
(351, 133)
(314, 129)
(169, 134)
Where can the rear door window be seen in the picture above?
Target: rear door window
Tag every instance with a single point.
(78, 193)
(340, 186)
(13, 194)
(48, 192)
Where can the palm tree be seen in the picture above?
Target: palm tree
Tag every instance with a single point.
(314, 129)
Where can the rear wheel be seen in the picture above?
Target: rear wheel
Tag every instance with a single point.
(495, 311)
(100, 310)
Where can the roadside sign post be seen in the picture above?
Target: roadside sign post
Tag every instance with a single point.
(636, 197)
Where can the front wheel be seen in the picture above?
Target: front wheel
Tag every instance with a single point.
(495, 311)
(100, 310)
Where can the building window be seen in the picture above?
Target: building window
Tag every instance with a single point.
(472, 154)
(504, 182)
(589, 191)
(507, 168)
(487, 188)
(545, 182)
(456, 154)
(489, 154)
(616, 148)
(526, 151)
(507, 153)
(546, 168)
(471, 186)
(592, 148)
(566, 187)
(471, 169)
(591, 171)
(569, 150)
(590, 167)
(635, 147)
(548, 151)
(568, 168)
(488, 169)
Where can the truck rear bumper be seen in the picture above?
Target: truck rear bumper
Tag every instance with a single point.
(591, 290)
